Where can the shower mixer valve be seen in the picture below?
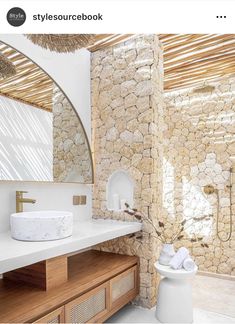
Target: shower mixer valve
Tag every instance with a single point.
(209, 189)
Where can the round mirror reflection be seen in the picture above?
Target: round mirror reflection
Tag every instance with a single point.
(41, 135)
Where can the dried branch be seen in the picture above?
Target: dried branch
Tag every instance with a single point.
(160, 233)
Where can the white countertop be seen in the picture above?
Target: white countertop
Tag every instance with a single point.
(15, 254)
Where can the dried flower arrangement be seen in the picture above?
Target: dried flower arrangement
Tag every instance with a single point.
(179, 227)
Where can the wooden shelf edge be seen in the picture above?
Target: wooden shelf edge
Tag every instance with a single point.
(23, 303)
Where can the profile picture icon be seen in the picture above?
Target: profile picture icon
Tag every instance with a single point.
(16, 17)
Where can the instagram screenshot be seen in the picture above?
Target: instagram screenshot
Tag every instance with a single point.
(117, 161)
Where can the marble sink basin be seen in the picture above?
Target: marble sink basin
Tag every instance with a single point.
(45, 225)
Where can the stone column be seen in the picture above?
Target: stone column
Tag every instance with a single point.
(127, 108)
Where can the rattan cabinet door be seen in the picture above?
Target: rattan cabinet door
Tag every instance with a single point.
(124, 287)
(57, 316)
(89, 307)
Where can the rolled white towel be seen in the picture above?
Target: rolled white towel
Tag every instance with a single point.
(189, 264)
(178, 259)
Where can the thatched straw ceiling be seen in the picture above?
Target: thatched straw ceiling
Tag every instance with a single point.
(189, 59)
(193, 59)
(30, 84)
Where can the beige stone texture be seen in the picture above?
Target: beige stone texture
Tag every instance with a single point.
(71, 158)
(199, 141)
(134, 102)
(172, 145)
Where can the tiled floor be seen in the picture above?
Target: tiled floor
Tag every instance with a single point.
(214, 302)
(132, 314)
(214, 295)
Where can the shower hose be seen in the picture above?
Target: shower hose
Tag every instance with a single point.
(230, 217)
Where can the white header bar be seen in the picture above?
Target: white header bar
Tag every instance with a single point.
(127, 16)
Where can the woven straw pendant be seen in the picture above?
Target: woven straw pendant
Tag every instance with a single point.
(62, 43)
(7, 68)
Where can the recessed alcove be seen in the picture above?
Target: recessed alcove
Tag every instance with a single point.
(120, 189)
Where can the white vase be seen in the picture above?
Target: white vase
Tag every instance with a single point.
(166, 254)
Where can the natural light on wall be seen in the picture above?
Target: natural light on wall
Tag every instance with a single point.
(168, 188)
(26, 148)
(195, 204)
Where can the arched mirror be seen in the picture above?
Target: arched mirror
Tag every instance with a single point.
(41, 135)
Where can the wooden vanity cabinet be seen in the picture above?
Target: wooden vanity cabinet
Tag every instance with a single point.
(123, 287)
(89, 307)
(57, 316)
(99, 284)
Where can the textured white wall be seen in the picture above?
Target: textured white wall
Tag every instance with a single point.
(72, 73)
(49, 196)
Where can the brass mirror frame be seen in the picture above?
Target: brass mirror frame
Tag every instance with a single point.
(86, 137)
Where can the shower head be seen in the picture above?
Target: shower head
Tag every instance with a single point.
(204, 89)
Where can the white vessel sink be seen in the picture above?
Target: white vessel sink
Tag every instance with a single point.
(45, 225)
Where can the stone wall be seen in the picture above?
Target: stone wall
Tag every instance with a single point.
(199, 140)
(171, 145)
(71, 159)
(127, 92)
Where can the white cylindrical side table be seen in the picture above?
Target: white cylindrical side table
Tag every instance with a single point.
(174, 302)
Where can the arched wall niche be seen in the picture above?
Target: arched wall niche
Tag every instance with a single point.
(119, 189)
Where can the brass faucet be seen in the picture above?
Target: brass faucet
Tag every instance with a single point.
(20, 200)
